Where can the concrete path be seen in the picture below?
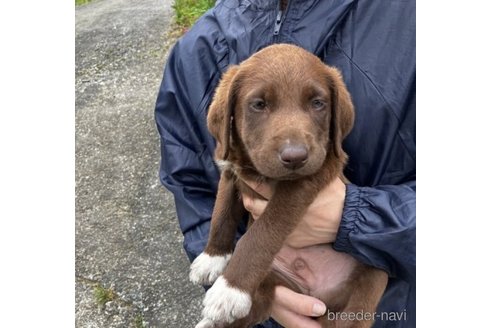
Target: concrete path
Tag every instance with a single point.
(127, 237)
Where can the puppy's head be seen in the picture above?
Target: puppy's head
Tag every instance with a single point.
(283, 110)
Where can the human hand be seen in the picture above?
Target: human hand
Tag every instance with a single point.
(294, 310)
(317, 270)
(321, 221)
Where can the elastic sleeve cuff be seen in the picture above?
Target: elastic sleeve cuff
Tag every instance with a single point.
(350, 218)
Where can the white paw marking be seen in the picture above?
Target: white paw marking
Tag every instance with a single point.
(205, 323)
(225, 304)
(206, 269)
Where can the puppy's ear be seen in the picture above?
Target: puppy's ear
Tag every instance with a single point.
(220, 112)
(342, 111)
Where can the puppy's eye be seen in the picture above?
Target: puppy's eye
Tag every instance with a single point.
(258, 105)
(318, 104)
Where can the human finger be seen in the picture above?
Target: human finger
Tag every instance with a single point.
(289, 319)
(299, 303)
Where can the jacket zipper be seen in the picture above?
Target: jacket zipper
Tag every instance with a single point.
(278, 23)
(280, 20)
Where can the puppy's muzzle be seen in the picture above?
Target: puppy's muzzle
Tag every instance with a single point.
(293, 156)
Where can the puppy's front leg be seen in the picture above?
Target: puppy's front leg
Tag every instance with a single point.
(230, 298)
(228, 211)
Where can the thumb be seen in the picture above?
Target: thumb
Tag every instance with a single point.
(255, 206)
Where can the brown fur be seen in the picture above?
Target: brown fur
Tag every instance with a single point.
(281, 95)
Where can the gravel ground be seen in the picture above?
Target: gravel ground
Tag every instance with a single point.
(127, 237)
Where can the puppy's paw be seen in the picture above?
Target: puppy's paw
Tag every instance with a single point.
(224, 304)
(207, 268)
(206, 323)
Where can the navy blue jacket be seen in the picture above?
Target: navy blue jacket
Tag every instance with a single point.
(372, 42)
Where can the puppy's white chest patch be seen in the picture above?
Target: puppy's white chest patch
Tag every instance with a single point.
(223, 165)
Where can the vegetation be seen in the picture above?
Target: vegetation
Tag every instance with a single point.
(139, 321)
(81, 2)
(103, 295)
(188, 11)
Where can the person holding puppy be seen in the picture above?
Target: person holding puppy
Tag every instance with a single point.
(373, 217)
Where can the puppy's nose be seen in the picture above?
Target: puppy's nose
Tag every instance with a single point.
(293, 156)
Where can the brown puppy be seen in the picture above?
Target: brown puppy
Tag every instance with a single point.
(280, 118)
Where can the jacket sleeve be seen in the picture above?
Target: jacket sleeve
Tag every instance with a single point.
(187, 168)
(378, 222)
(378, 228)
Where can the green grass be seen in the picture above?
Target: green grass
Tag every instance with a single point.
(81, 2)
(188, 11)
(139, 321)
(103, 295)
